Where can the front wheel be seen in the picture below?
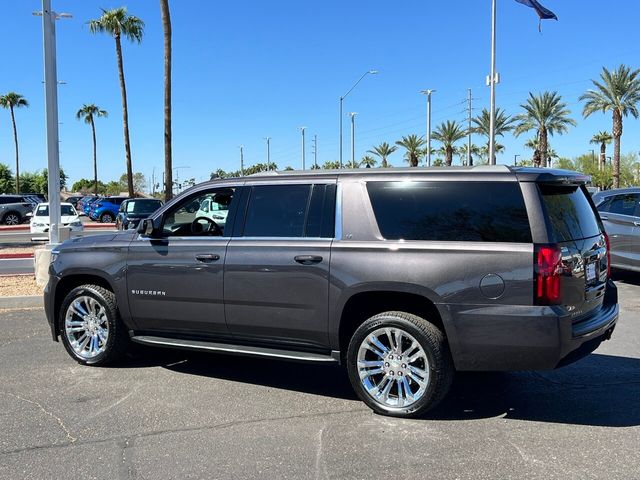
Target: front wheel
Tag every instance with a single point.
(399, 364)
(90, 326)
(106, 218)
(12, 218)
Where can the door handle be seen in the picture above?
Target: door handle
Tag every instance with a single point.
(308, 259)
(604, 217)
(207, 257)
(637, 224)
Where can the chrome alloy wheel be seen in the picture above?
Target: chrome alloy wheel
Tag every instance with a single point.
(86, 327)
(12, 219)
(393, 367)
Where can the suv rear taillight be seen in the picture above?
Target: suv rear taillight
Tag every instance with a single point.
(548, 274)
(606, 239)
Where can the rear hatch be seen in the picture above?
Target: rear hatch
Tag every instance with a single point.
(577, 237)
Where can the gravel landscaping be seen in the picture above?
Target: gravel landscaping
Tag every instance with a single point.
(19, 285)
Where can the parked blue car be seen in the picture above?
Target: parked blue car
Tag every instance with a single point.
(86, 204)
(106, 209)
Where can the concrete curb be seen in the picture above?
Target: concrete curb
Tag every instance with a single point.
(30, 301)
(9, 256)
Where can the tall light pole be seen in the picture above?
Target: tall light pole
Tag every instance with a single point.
(315, 151)
(515, 159)
(469, 159)
(428, 94)
(353, 139)
(242, 160)
(268, 139)
(369, 72)
(492, 80)
(178, 178)
(49, 18)
(302, 129)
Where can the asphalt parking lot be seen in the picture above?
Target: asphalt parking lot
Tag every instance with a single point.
(172, 414)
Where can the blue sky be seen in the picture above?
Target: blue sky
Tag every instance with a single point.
(244, 70)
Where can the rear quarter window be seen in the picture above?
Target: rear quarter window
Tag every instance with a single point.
(450, 211)
(569, 213)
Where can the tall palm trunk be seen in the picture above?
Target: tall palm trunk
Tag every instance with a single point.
(448, 156)
(543, 146)
(384, 163)
(414, 159)
(125, 116)
(603, 156)
(95, 158)
(15, 141)
(616, 133)
(168, 167)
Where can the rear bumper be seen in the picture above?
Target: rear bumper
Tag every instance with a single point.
(502, 338)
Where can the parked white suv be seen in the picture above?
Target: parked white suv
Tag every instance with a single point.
(69, 218)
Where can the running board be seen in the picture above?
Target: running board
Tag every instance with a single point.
(294, 355)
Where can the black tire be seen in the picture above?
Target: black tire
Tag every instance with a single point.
(435, 347)
(106, 218)
(12, 218)
(118, 337)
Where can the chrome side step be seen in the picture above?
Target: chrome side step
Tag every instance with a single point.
(238, 349)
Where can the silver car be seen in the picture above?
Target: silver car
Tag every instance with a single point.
(620, 212)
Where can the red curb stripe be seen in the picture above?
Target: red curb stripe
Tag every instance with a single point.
(7, 256)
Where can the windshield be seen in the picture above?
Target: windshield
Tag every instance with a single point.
(65, 211)
(143, 206)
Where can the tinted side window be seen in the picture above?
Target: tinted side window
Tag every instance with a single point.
(625, 204)
(277, 211)
(450, 211)
(569, 213)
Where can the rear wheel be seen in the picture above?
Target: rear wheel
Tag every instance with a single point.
(106, 218)
(12, 218)
(399, 364)
(90, 326)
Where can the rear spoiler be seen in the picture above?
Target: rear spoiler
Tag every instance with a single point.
(550, 175)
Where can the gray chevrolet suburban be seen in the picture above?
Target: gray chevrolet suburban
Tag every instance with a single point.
(402, 275)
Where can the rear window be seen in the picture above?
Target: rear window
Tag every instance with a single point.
(450, 211)
(569, 212)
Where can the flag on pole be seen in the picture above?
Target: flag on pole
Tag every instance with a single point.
(543, 13)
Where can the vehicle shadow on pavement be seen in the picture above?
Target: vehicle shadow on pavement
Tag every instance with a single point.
(623, 276)
(325, 380)
(600, 390)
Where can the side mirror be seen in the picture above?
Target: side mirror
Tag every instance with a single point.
(147, 229)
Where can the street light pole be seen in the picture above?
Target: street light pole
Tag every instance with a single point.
(353, 139)
(428, 94)
(242, 160)
(302, 129)
(49, 18)
(515, 160)
(370, 72)
(315, 151)
(268, 139)
(492, 80)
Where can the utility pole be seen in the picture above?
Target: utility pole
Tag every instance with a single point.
(469, 158)
(492, 80)
(515, 159)
(49, 18)
(302, 129)
(153, 182)
(268, 139)
(315, 151)
(242, 160)
(353, 139)
(428, 94)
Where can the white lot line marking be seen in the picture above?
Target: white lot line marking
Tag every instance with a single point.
(115, 404)
(320, 464)
(71, 438)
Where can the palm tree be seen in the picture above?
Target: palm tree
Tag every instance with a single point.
(462, 152)
(503, 123)
(617, 92)
(602, 138)
(547, 114)
(413, 144)
(532, 144)
(448, 133)
(89, 112)
(368, 161)
(384, 150)
(117, 23)
(13, 100)
(168, 167)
